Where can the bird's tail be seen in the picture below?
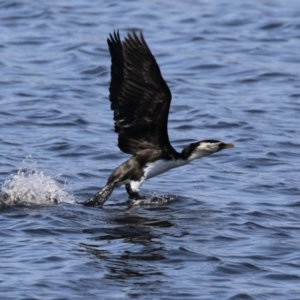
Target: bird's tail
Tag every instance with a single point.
(98, 199)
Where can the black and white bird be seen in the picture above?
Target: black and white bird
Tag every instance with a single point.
(140, 99)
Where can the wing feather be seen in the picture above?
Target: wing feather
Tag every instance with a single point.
(140, 98)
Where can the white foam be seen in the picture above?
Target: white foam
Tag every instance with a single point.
(151, 200)
(33, 187)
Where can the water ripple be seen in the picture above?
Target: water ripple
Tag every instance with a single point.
(232, 230)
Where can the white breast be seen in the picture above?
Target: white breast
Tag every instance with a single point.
(154, 169)
(161, 166)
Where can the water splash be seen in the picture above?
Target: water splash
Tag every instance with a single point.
(33, 187)
(152, 199)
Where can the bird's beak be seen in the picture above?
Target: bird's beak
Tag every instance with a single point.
(228, 146)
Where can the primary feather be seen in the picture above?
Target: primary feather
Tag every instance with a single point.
(140, 98)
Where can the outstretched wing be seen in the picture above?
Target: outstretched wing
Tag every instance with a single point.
(140, 98)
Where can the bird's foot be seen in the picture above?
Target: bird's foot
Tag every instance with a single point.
(99, 199)
(132, 195)
(94, 201)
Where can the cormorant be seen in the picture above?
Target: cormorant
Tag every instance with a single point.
(140, 99)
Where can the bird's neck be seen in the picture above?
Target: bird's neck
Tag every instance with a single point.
(188, 153)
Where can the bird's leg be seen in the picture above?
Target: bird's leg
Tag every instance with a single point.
(132, 195)
(98, 199)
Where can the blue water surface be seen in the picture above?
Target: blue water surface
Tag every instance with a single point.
(233, 230)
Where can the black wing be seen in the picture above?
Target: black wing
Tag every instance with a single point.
(140, 98)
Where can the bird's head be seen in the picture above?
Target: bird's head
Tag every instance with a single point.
(204, 148)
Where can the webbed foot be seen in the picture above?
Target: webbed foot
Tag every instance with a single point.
(99, 199)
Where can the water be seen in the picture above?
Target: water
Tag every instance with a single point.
(233, 229)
